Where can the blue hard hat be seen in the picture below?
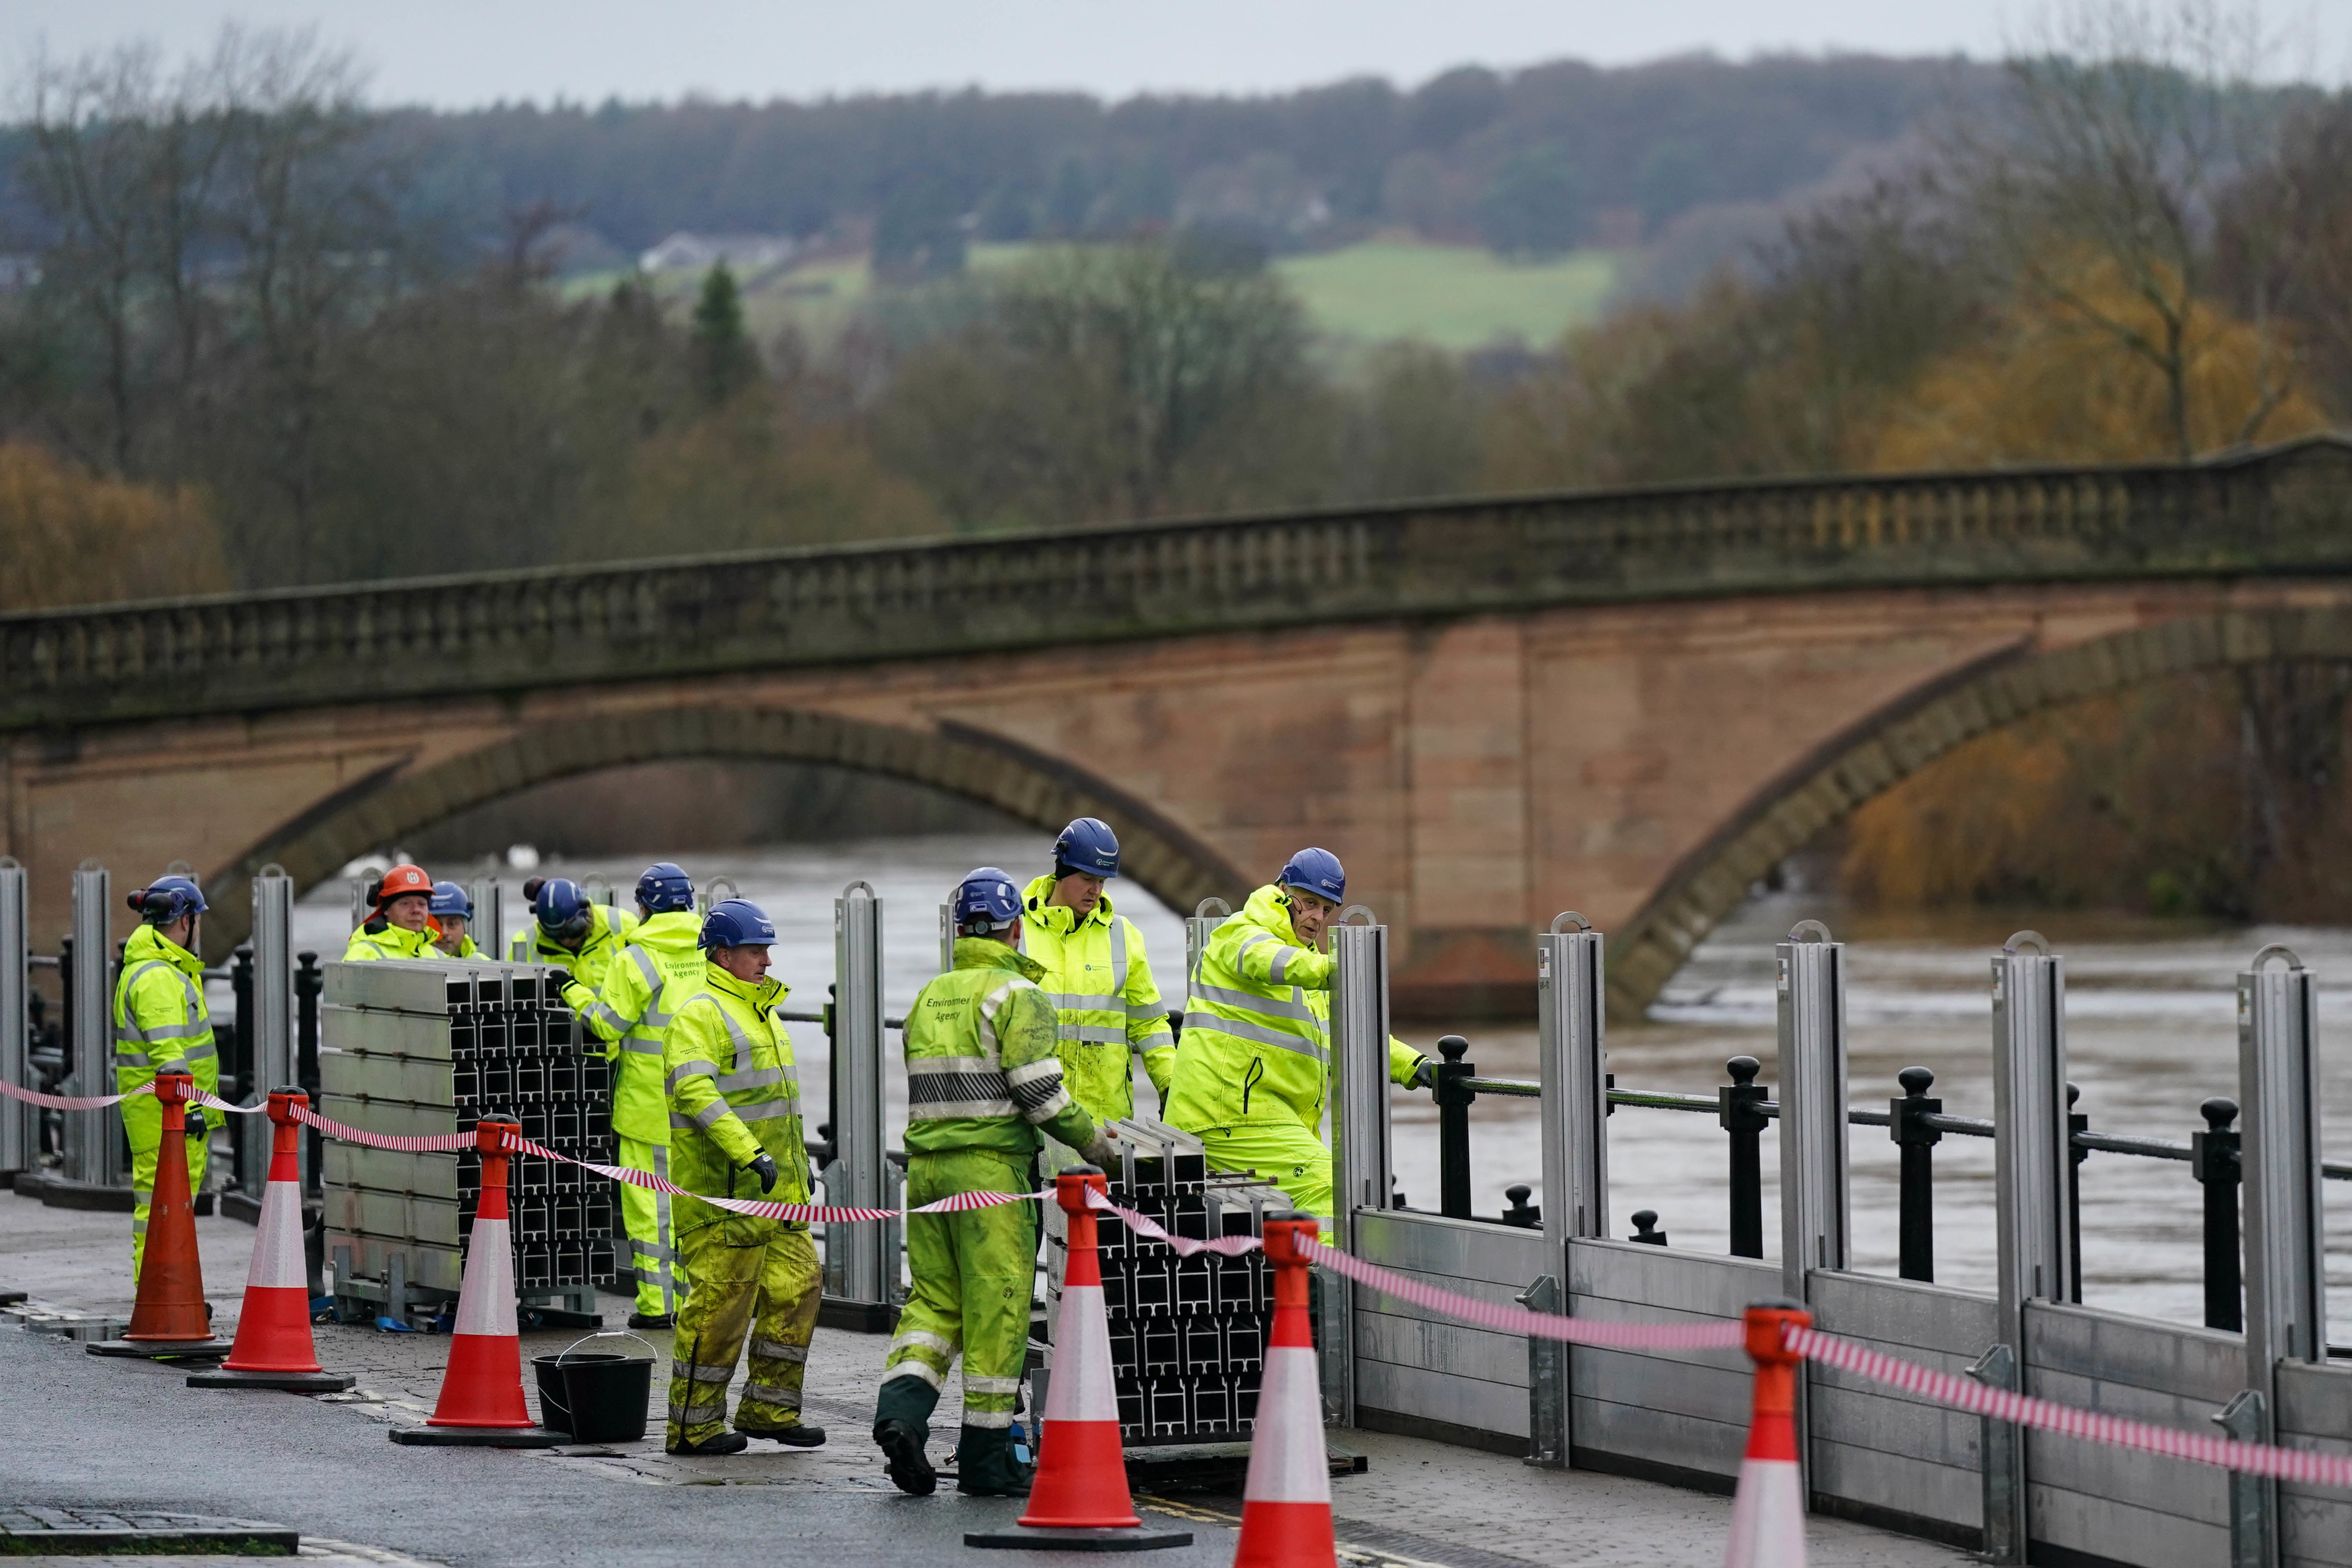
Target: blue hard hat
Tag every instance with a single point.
(1319, 872)
(1088, 846)
(448, 898)
(562, 908)
(664, 886)
(736, 922)
(165, 900)
(986, 900)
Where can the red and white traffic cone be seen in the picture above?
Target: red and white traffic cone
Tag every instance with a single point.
(1768, 1517)
(274, 1347)
(1286, 1500)
(481, 1401)
(168, 1319)
(1080, 1500)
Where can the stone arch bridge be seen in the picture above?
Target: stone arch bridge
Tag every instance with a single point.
(1630, 703)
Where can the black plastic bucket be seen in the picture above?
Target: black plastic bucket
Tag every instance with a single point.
(596, 1397)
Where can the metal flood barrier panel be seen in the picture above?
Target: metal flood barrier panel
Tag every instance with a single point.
(1670, 1416)
(2314, 1410)
(1881, 1456)
(1424, 1375)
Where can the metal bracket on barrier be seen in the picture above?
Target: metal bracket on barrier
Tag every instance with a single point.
(1547, 1381)
(2000, 1456)
(2253, 1499)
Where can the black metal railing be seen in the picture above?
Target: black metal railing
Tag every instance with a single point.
(1915, 1121)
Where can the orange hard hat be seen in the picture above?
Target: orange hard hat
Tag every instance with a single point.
(400, 882)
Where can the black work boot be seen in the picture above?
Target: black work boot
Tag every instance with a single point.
(797, 1435)
(711, 1446)
(986, 1466)
(902, 1446)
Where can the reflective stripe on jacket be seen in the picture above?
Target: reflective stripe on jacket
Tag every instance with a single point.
(1257, 1034)
(159, 1018)
(380, 938)
(734, 1093)
(608, 931)
(981, 1071)
(1100, 981)
(643, 986)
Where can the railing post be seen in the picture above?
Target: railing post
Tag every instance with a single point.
(1906, 1125)
(2033, 1156)
(857, 1078)
(1736, 1111)
(20, 1129)
(1453, 1127)
(90, 1154)
(309, 983)
(2279, 1148)
(1814, 1231)
(269, 1038)
(2078, 1123)
(1360, 1130)
(2214, 1159)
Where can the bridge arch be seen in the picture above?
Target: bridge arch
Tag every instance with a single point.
(1027, 784)
(1884, 748)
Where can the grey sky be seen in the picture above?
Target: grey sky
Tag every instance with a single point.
(463, 52)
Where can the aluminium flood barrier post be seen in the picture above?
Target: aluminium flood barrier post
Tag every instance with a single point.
(857, 1130)
(90, 1136)
(270, 1033)
(1358, 1046)
(488, 926)
(20, 1129)
(1572, 1068)
(2033, 1169)
(2279, 1152)
(1815, 1230)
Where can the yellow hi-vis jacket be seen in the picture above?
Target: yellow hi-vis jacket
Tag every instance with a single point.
(734, 1095)
(643, 986)
(380, 938)
(1256, 1044)
(608, 930)
(1100, 981)
(159, 1018)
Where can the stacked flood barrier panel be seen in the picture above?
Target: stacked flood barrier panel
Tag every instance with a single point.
(427, 1049)
(2315, 1411)
(1187, 1334)
(1671, 1415)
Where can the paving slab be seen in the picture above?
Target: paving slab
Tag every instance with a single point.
(129, 1435)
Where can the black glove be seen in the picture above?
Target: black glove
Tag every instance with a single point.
(764, 1168)
(1424, 1074)
(197, 1126)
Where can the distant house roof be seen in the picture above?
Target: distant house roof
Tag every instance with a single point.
(699, 252)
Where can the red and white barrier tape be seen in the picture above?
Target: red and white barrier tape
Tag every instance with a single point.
(960, 1202)
(72, 1101)
(1518, 1321)
(1966, 1393)
(1185, 1245)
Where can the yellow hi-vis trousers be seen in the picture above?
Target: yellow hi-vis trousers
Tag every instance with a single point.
(650, 1254)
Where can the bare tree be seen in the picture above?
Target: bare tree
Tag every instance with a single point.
(2130, 121)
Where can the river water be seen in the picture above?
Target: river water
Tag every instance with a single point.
(2151, 1033)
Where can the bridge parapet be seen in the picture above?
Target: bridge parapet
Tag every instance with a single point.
(2279, 512)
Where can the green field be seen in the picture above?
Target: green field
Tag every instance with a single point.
(1456, 297)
